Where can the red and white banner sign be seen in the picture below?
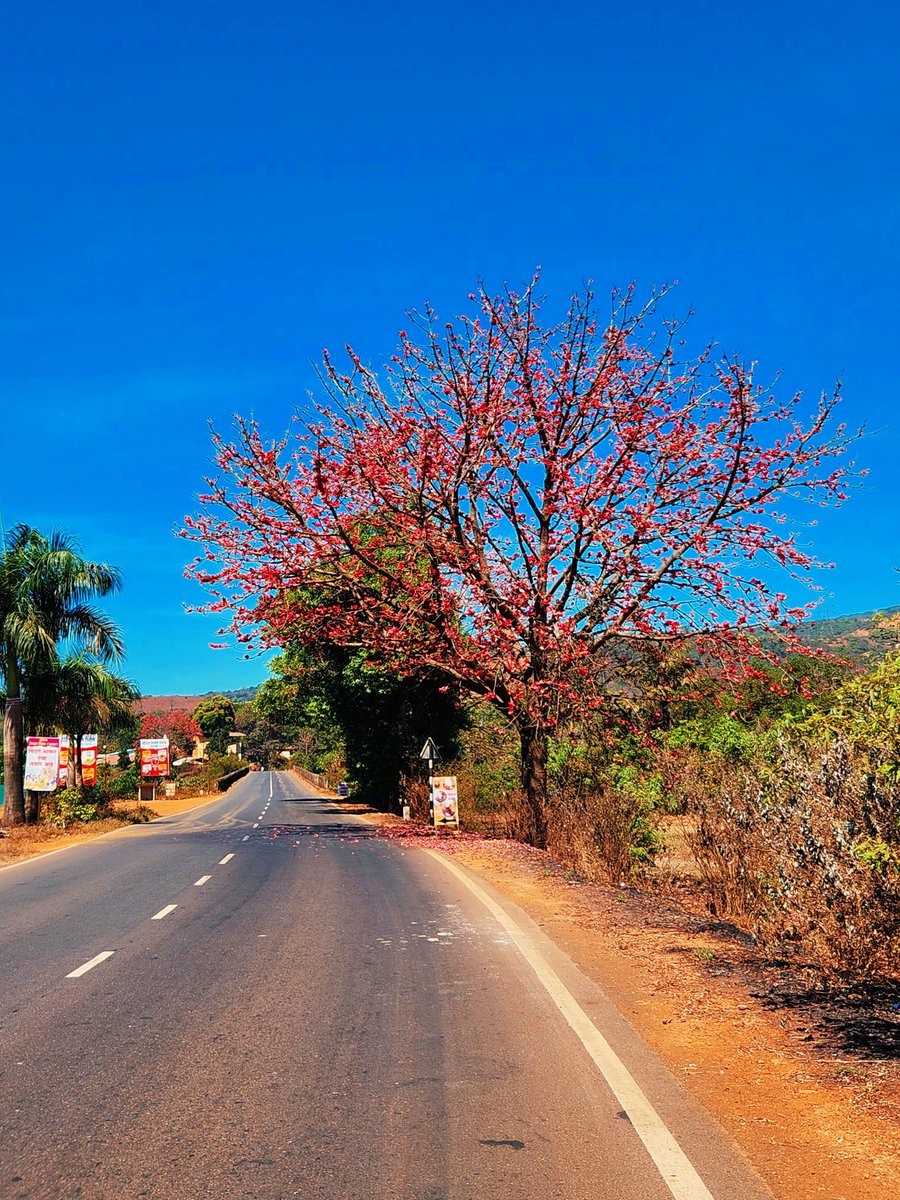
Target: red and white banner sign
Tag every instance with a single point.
(154, 754)
(89, 759)
(42, 764)
(63, 776)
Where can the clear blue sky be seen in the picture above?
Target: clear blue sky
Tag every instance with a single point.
(197, 198)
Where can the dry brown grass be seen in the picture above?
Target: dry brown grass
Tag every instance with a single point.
(26, 841)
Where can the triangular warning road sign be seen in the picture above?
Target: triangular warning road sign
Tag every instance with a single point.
(429, 751)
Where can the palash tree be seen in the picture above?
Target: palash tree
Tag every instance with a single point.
(47, 591)
(559, 492)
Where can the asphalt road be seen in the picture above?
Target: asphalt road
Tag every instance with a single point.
(265, 999)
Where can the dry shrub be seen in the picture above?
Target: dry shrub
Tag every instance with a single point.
(414, 792)
(803, 848)
(607, 832)
(828, 819)
(721, 834)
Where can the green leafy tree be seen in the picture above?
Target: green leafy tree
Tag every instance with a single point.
(382, 718)
(47, 591)
(215, 716)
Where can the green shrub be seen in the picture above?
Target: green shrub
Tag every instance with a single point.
(67, 805)
(124, 786)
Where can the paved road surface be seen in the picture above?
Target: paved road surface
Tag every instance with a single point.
(263, 999)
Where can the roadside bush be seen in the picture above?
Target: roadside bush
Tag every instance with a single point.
(802, 847)
(721, 834)
(124, 786)
(63, 807)
(828, 819)
(609, 826)
(219, 765)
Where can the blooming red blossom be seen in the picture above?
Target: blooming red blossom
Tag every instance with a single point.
(178, 726)
(516, 501)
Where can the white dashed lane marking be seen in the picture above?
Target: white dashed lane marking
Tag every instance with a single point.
(246, 837)
(90, 964)
(203, 879)
(226, 859)
(164, 912)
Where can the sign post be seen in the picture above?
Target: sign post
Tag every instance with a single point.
(154, 764)
(89, 759)
(429, 753)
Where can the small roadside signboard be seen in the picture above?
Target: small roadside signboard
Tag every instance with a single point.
(446, 800)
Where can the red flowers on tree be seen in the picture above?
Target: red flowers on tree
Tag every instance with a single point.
(514, 504)
(178, 726)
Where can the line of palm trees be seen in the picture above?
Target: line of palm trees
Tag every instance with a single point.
(56, 651)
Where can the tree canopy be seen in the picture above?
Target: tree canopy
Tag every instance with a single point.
(517, 501)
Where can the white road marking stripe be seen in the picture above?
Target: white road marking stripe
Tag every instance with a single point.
(270, 786)
(246, 837)
(670, 1160)
(203, 879)
(164, 912)
(256, 826)
(226, 859)
(89, 966)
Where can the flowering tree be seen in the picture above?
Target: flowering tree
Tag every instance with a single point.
(177, 725)
(517, 503)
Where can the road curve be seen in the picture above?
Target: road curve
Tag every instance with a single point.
(264, 998)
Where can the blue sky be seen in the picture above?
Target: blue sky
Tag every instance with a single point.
(197, 199)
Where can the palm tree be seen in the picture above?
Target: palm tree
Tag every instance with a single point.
(46, 594)
(75, 695)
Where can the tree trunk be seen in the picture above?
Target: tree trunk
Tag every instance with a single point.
(32, 807)
(13, 764)
(533, 739)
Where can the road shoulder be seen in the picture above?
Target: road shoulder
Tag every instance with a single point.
(814, 1118)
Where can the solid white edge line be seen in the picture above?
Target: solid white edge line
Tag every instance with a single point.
(670, 1160)
(90, 964)
(203, 879)
(164, 912)
(226, 859)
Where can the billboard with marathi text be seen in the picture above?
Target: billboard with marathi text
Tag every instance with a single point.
(42, 764)
(89, 759)
(154, 756)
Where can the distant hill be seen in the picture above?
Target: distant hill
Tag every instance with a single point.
(855, 637)
(178, 703)
(239, 695)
